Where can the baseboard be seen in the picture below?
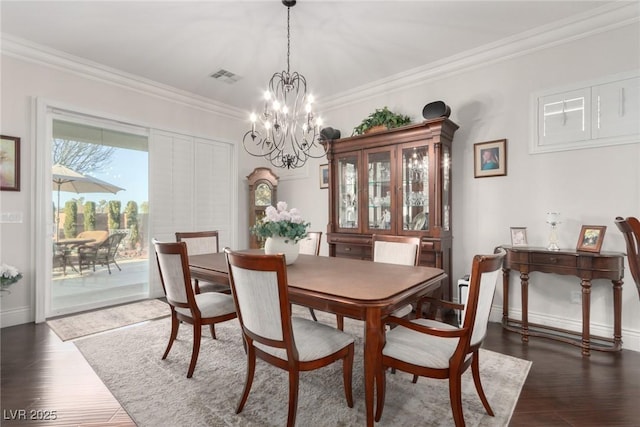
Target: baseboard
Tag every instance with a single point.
(630, 337)
(16, 316)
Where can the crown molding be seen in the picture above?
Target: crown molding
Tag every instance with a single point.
(598, 20)
(31, 52)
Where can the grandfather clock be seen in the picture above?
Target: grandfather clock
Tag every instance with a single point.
(263, 186)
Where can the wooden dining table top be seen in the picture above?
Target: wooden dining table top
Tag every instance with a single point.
(357, 281)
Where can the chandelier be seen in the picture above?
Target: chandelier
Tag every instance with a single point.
(287, 132)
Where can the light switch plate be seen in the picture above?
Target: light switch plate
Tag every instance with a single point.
(11, 217)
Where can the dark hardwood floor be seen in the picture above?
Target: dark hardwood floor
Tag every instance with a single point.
(40, 374)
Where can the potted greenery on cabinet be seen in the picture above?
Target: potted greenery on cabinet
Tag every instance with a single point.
(381, 119)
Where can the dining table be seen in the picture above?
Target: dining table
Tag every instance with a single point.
(358, 289)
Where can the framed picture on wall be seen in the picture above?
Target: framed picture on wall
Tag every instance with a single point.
(519, 236)
(9, 163)
(591, 237)
(324, 176)
(490, 158)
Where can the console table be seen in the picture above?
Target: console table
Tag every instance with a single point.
(584, 265)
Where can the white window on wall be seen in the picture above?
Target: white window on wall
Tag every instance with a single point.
(617, 108)
(598, 113)
(564, 117)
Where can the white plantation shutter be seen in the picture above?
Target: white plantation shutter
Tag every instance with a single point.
(191, 188)
(213, 186)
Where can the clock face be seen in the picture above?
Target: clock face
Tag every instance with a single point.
(263, 195)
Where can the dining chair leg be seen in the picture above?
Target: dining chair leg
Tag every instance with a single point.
(347, 374)
(313, 314)
(212, 327)
(197, 337)
(475, 370)
(380, 392)
(174, 333)
(251, 369)
(294, 379)
(340, 322)
(455, 395)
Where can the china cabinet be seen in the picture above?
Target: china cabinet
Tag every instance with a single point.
(263, 188)
(394, 182)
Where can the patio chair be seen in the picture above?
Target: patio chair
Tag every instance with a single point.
(103, 254)
(59, 258)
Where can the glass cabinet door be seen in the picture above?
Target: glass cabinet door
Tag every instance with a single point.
(415, 188)
(446, 188)
(379, 191)
(347, 193)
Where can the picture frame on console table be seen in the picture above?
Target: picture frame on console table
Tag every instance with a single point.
(519, 236)
(490, 158)
(591, 237)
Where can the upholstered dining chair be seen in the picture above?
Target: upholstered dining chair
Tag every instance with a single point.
(429, 348)
(630, 228)
(198, 310)
(260, 291)
(404, 250)
(310, 245)
(198, 243)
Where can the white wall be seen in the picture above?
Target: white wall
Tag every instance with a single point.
(22, 81)
(589, 186)
(489, 100)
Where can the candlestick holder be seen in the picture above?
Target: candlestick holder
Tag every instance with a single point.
(553, 219)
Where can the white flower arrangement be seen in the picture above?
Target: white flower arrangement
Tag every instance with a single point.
(281, 222)
(8, 276)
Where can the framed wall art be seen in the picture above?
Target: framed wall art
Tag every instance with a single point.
(324, 176)
(591, 237)
(9, 163)
(490, 158)
(519, 236)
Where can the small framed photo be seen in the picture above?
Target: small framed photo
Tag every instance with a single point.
(591, 237)
(9, 163)
(490, 158)
(519, 236)
(324, 176)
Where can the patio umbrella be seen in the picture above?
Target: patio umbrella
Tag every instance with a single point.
(74, 182)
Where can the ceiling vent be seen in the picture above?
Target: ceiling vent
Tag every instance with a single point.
(225, 76)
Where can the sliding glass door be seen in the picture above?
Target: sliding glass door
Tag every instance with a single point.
(101, 216)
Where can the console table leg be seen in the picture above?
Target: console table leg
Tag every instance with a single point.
(505, 296)
(586, 311)
(524, 281)
(617, 314)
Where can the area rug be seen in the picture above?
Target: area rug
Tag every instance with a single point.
(80, 325)
(156, 392)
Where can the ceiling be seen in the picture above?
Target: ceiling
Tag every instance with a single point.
(338, 45)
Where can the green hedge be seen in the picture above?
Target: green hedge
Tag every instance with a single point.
(131, 218)
(70, 219)
(89, 210)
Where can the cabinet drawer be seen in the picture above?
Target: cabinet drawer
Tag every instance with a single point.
(554, 259)
(353, 251)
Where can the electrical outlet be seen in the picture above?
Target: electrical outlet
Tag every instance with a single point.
(576, 297)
